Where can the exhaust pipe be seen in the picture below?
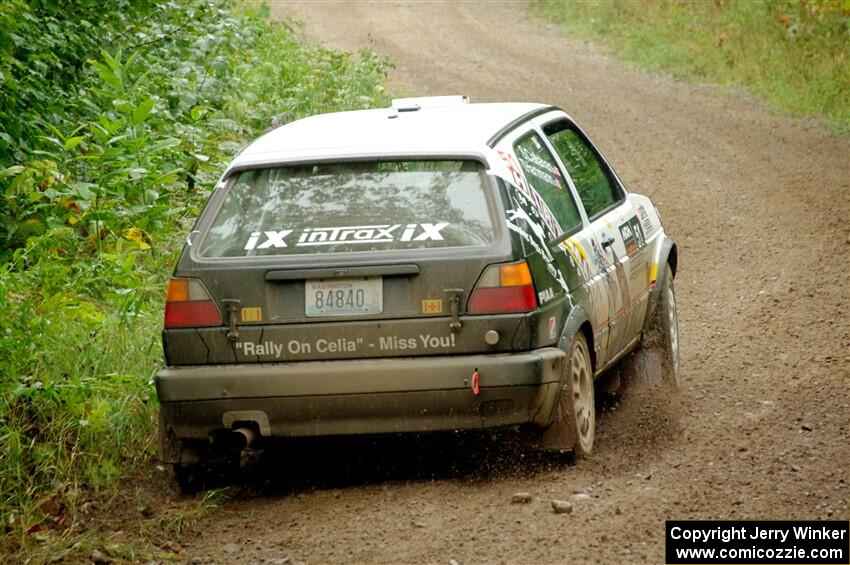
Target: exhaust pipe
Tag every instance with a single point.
(243, 438)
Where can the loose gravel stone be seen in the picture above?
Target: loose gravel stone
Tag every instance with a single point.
(562, 507)
(521, 498)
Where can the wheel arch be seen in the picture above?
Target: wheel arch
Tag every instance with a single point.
(673, 259)
(578, 321)
(668, 254)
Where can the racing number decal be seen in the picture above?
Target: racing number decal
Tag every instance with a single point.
(633, 237)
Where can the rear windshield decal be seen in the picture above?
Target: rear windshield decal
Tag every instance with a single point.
(350, 207)
(309, 237)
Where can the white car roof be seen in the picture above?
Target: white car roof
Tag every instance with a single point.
(411, 128)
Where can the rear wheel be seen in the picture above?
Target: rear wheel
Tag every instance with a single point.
(580, 394)
(574, 425)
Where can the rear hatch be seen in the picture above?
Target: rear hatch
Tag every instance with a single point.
(346, 260)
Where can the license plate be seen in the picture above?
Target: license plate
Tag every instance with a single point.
(344, 297)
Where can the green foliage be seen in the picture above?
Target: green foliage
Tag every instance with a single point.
(43, 49)
(76, 386)
(793, 53)
(117, 119)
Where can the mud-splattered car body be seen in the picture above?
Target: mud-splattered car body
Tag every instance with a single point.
(423, 267)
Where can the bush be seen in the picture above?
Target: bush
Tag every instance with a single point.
(106, 156)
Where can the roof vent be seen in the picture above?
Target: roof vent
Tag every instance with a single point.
(414, 104)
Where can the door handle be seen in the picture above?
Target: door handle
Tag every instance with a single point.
(607, 242)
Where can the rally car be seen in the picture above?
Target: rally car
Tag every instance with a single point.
(435, 265)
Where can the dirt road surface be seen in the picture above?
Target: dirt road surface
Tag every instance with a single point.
(759, 206)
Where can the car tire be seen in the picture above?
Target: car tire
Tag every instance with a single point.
(656, 361)
(573, 427)
(579, 390)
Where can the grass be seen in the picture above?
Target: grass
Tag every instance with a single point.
(795, 54)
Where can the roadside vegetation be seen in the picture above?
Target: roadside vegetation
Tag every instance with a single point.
(793, 53)
(115, 121)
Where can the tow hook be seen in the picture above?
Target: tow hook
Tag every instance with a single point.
(454, 307)
(232, 305)
(476, 383)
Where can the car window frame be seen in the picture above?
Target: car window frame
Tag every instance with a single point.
(520, 134)
(607, 170)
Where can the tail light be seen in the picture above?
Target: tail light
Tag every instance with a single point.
(188, 305)
(504, 288)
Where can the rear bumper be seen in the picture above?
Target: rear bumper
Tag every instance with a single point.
(362, 396)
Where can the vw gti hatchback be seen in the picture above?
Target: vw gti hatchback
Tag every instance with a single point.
(437, 265)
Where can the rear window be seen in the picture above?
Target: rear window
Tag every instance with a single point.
(347, 207)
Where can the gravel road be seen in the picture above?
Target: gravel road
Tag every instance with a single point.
(758, 203)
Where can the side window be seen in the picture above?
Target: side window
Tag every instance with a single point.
(593, 181)
(545, 177)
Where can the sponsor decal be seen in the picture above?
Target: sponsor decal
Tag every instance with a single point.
(633, 238)
(545, 295)
(625, 297)
(605, 268)
(373, 234)
(599, 257)
(645, 220)
(531, 219)
(532, 198)
(432, 306)
(252, 314)
(536, 239)
(619, 281)
(579, 258)
(538, 167)
(628, 239)
(575, 249)
(553, 327)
